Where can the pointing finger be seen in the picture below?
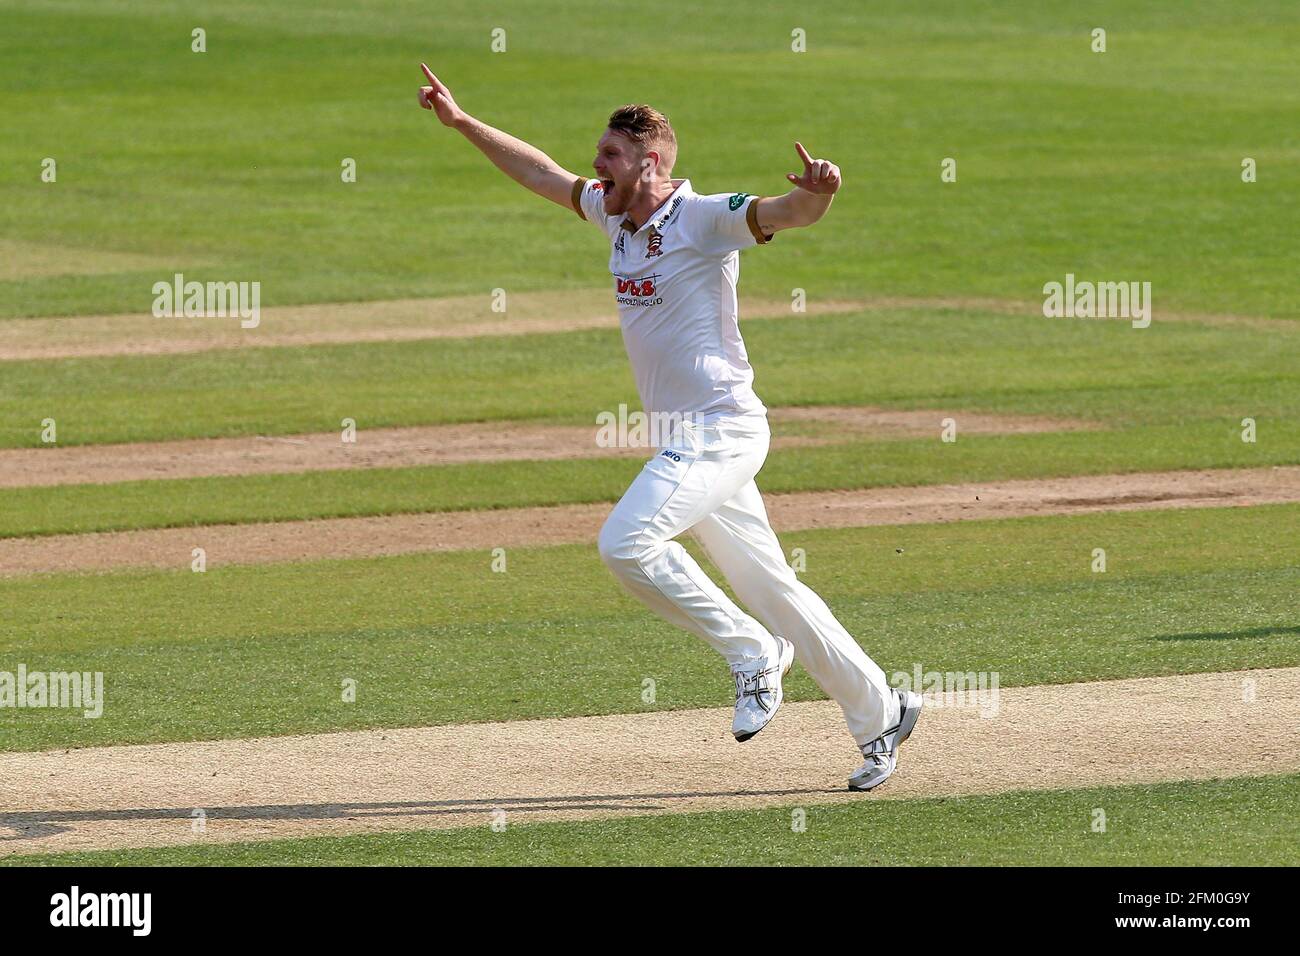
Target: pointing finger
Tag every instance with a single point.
(803, 154)
(433, 80)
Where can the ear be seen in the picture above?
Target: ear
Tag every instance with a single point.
(650, 165)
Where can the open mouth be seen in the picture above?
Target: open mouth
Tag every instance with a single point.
(607, 185)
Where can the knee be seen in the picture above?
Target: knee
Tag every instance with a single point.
(618, 548)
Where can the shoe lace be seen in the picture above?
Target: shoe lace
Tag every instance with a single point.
(755, 684)
(876, 747)
(880, 745)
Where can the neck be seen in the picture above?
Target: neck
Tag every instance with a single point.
(648, 200)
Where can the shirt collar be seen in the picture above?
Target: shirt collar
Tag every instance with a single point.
(683, 189)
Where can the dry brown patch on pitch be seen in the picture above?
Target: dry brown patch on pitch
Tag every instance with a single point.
(839, 421)
(31, 260)
(570, 524)
(450, 444)
(333, 323)
(1189, 727)
(433, 318)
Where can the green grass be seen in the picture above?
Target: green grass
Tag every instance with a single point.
(1236, 822)
(1168, 374)
(439, 638)
(226, 164)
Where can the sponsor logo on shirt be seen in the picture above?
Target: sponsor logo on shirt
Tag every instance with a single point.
(738, 200)
(667, 217)
(640, 287)
(640, 291)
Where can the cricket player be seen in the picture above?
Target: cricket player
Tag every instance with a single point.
(674, 256)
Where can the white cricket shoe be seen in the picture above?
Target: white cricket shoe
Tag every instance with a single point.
(759, 693)
(882, 753)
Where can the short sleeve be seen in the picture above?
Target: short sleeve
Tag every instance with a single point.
(728, 221)
(588, 201)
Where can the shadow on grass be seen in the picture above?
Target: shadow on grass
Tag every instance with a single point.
(17, 826)
(1229, 635)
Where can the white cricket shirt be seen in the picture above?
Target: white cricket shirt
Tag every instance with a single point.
(675, 283)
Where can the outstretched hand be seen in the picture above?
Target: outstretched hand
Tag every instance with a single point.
(820, 176)
(438, 98)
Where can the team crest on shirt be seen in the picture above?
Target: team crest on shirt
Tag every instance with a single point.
(653, 246)
(738, 200)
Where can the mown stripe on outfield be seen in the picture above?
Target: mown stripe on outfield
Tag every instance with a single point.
(1195, 727)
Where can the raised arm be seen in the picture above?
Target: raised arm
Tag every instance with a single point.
(525, 164)
(807, 202)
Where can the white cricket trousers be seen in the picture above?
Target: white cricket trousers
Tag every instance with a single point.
(703, 481)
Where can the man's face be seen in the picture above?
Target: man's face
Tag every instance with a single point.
(619, 165)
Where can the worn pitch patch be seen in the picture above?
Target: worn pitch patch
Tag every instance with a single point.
(39, 260)
(458, 443)
(572, 524)
(396, 320)
(1188, 727)
(400, 320)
